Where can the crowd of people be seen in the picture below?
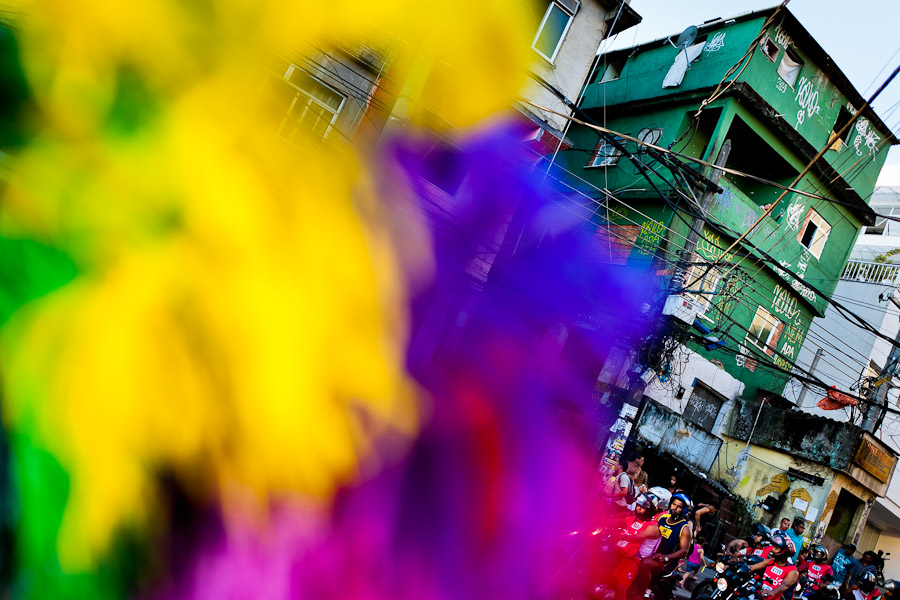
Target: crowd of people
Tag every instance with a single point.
(655, 532)
(657, 535)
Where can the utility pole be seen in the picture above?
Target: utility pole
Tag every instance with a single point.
(812, 370)
(690, 242)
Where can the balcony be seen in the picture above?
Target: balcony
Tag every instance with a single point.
(871, 272)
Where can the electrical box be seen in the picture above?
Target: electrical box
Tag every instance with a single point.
(682, 307)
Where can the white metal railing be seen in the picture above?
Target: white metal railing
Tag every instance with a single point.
(871, 272)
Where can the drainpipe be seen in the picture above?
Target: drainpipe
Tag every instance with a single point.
(812, 370)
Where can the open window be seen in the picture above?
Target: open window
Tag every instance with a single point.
(613, 70)
(553, 27)
(605, 154)
(769, 48)
(835, 142)
(701, 281)
(765, 331)
(789, 68)
(814, 233)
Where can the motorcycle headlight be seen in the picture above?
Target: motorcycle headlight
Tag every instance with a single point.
(722, 584)
(720, 567)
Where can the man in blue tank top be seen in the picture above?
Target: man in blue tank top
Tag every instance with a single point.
(676, 535)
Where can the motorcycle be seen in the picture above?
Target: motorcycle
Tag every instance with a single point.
(730, 583)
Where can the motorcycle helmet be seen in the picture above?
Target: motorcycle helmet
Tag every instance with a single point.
(866, 582)
(890, 588)
(761, 530)
(782, 545)
(818, 553)
(648, 501)
(688, 505)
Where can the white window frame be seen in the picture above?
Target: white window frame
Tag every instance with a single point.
(702, 290)
(820, 235)
(605, 155)
(764, 317)
(309, 98)
(559, 43)
(882, 226)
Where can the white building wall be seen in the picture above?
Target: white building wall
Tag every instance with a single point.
(570, 68)
(688, 368)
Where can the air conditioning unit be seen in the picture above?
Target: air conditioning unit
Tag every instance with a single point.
(682, 307)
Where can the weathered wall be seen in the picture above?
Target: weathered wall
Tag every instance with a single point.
(671, 433)
(690, 368)
(570, 68)
(800, 434)
(766, 475)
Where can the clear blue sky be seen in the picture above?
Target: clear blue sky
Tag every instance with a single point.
(862, 37)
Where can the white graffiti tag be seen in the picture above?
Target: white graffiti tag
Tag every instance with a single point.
(865, 133)
(781, 84)
(782, 38)
(804, 291)
(808, 99)
(716, 44)
(794, 214)
(802, 263)
(741, 357)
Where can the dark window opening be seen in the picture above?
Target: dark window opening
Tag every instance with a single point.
(445, 167)
(835, 143)
(613, 70)
(751, 154)
(843, 515)
(769, 49)
(808, 234)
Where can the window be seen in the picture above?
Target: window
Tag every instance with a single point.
(883, 226)
(790, 67)
(834, 142)
(605, 154)
(314, 107)
(703, 407)
(553, 27)
(814, 233)
(769, 49)
(613, 71)
(701, 281)
(765, 331)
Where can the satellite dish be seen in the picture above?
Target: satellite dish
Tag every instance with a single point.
(686, 38)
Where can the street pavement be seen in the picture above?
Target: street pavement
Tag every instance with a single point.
(707, 573)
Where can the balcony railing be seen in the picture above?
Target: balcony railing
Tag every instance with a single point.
(871, 272)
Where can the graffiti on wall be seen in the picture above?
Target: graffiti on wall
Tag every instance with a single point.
(782, 38)
(795, 214)
(650, 236)
(726, 204)
(808, 100)
(802, 264)
(715, 44)
(863, 137)
(778, 485)
(784, 303)
(711, 248)
(805, 292)
(743, 359)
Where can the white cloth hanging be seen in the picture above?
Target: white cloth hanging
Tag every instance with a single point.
(685, 57)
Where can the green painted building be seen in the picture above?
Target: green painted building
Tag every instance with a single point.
(767, 86)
